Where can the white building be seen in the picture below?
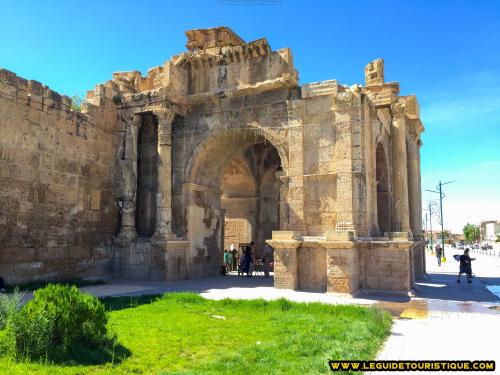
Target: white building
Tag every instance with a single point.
(490, 230)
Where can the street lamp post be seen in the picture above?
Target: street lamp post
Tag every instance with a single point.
(428, 219)
(441, 196)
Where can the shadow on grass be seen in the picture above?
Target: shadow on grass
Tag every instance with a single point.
(112, 353)
(121, 303)
(115, 354)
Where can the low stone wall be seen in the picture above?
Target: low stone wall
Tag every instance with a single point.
(140, 261)
(143, 259)
(344, 266)
(387, 265)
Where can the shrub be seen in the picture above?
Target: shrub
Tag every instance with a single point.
(58, 324)
(76, 103)
(9, 303)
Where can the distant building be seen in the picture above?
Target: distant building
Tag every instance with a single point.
(490, 230)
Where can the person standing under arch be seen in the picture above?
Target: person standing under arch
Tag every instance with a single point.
(248, 258)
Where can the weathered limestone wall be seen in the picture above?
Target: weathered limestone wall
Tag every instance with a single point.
(387, 266)
(57, 207)
(311, 261)
(320, 159)
(236, 231)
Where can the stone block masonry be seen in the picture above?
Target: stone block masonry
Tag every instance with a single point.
(57, 207)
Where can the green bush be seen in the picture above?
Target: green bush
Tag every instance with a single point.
(9, 303)
(58, 324)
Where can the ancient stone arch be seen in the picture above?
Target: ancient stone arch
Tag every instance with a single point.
(211, 154)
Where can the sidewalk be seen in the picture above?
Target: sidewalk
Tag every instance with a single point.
(460, 323)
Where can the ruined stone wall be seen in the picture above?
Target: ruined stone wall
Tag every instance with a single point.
(57, 207)
(238, 71)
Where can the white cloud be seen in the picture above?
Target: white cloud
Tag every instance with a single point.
(473, 97)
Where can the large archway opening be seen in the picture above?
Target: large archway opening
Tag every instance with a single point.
(233, 194)
(383, 191)
(251, 195)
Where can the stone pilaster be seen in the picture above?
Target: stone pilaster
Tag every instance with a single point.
(295, 197)
(163, 229)
(128, 231)
(401, 213)
(285, 247)
(344, 161)
(342, 266)
(283, 200)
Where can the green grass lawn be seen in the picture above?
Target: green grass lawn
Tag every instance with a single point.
(182, 333)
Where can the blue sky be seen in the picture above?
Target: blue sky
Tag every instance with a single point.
(446, 52)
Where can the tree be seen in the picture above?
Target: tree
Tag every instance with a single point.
(471, 232)
(444, 234)
(76, 103)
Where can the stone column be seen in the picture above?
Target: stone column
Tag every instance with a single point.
(401, 214)
(163, 229)
(128, 230)
(414, 187)
(419, 189)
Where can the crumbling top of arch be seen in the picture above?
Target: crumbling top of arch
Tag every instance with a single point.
(218, 64)
(221, 36)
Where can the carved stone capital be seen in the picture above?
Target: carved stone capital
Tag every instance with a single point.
(165, 119)
(165, 116)
(398, 110)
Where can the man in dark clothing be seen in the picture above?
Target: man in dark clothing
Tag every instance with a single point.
(465, 266)
(248, 259)
(439, 254)
(2, 284)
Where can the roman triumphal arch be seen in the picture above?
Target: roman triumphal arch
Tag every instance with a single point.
(326, 174)
(221, 144)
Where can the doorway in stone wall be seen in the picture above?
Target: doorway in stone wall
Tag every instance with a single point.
(238, 183)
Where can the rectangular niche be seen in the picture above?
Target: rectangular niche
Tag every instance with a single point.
(147, 176)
